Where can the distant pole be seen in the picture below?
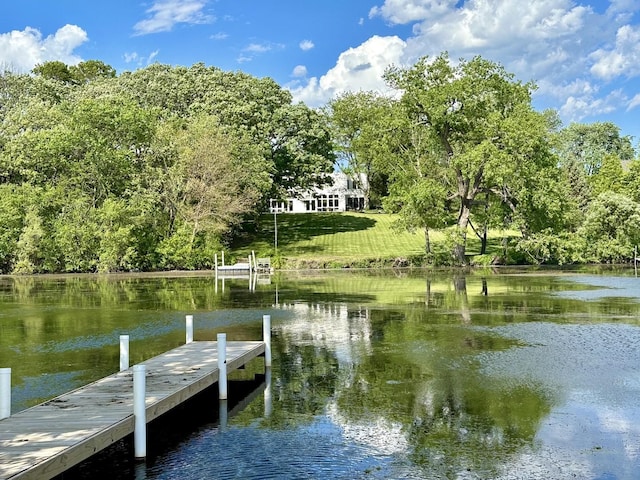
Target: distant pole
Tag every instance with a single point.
(222, 366)
(139, 411)
(5, 393)
(275, 230)
(266, 338)
(189, 326)
(124, 352)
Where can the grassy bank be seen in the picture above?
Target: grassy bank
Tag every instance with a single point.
(339, 240)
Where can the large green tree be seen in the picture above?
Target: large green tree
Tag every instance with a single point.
(584, 149)
(294, 138)
(212, 178)
(480, 136)
(355, 119)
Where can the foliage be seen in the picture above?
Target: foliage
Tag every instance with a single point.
(611, 228)
(548, 247)
(355, 118)
(632, 181)
(610, 176)
(161, 167)
(588, 145)
(146, 170)
(471, 128)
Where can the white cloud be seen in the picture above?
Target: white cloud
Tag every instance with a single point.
(140, 60)
(406, 11)
(152, 56)
(635, 102)
(306, 45)
(299, 71)
(258, 48)
(164, 14)
(219, 36)
(503, 28)
(576, 108)
(623, 59)
(253, 49)
(358, 68)
(131, 57)
(20, 51)
(567, 47)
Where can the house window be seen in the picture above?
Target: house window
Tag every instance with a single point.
(328, 203)
(277, 206)
(355, 203)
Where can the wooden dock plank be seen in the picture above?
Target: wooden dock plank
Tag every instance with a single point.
(48, 439)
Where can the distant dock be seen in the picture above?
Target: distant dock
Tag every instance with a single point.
(48, 439)
(256, 270)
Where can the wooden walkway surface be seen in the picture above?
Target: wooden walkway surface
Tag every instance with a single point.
(48, 439)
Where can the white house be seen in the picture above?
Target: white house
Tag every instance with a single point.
(346, 193)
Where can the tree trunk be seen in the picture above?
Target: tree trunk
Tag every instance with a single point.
(460, 243)
(483, 240)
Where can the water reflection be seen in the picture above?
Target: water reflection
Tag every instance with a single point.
(376, 375)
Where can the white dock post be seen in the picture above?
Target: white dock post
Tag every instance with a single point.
(222, 258)
(139, 411)
(124, 352)
(222, 366)
(189, 325)
(5, 393)
(266, 338)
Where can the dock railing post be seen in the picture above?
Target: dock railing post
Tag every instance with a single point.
(266, 338)
(222, 366)
(124, 352)
(5, 393)
(139, 411)
(189, 326)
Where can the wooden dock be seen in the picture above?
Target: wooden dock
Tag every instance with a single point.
(48, 439)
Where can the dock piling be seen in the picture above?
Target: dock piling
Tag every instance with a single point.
(222, 366)
(139, 411)
(266, 338)
(124, 352)
(189, 326)
(223, 414)
(268, 402)
(5, 393)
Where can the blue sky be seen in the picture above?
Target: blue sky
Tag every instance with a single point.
(584, 55)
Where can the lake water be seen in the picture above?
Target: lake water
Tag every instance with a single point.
(505, 374)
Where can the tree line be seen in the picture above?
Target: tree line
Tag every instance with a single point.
(463, 150)
(152, 169)
(161, 167)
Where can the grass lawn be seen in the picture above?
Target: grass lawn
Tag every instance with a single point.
(334, 235)
(339, 238)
